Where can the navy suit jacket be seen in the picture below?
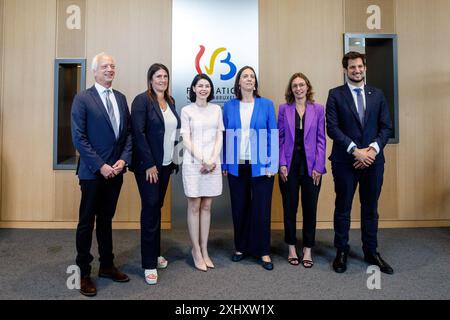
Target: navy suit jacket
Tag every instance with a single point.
(148, 130)
(343, 125)
(93, 135)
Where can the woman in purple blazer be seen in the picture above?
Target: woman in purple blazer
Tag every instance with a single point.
(302, 162)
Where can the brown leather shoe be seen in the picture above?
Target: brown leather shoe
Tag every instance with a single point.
(87, 287)
(114, 274)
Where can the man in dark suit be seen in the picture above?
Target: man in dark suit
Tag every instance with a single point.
(101, 134)
(359, 124)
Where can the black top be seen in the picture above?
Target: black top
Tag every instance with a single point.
(299, 158)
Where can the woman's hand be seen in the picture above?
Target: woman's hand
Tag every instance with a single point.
(207, 167)
(269, 174)
(284, 173)
(151, 175)
(316, 177)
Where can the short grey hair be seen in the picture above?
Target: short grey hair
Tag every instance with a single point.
(97, 57)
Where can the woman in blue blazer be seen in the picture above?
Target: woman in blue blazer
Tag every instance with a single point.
(154, 121)
(250, 160)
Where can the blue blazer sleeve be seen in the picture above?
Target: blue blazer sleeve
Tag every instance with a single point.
(272, 139)
(332, 121)
(79, 134)
(139, 128)
(128, 147)
(385, 124)
(224, 144)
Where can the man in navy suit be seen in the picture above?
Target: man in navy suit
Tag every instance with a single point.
(359, 124)
(101, 134)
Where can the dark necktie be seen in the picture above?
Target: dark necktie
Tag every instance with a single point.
(112, 117)
(360, 105)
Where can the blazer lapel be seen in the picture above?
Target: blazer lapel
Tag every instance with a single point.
(172, 107)
(309, 114)
(121, 112)
(351, 103)
(369, 95)
(290, 115)
(157, 109)
(255, 113)
(98, 100)
(237, 114)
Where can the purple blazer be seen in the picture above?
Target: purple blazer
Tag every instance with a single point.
(314, 136)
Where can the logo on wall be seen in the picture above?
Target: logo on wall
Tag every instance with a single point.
(210, 70)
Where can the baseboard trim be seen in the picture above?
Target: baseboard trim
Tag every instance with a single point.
(70, 225)
(355, 224)
(275, 225)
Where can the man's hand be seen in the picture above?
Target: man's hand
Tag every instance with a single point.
(118, 166)
(364, 157)
(284, 173)
(151, 175)
(107, 171)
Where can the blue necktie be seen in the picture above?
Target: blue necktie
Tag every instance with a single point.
(360, 105)
(111, 114)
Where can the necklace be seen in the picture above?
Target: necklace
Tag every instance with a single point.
(163, 107)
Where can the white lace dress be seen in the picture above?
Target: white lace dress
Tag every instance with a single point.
(201, 124)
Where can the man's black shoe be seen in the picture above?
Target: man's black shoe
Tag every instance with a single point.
(340, 262)
(375, 259)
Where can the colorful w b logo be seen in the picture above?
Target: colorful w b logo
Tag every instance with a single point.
(210, 69)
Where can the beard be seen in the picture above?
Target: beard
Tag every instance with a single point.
(351, 78)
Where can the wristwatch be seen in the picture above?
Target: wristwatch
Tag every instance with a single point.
(352, 149)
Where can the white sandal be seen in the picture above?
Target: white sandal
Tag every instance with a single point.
(162, 262)
(151, 276)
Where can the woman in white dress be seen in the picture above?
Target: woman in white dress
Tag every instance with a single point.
(201, 129)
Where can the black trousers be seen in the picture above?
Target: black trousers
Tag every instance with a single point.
(251, 201)
(290, 196)
(370, 181)
(152, 200)
(98, 205)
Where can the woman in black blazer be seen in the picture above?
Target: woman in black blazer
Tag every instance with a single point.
(154, 123)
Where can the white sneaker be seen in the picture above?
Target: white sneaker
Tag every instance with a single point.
(162, 263)
(151, 276)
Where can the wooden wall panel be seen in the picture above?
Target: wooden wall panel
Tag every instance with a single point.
(71, 42)
(2, 2)
(294, 38)
(295, 35)
(29, 49)
(138, 34)
(356, 16)
(423, 31)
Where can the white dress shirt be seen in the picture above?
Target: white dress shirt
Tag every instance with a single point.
(355, 100)
(170, 125)
(246, 111)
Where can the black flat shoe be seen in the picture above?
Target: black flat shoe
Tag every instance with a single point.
(237, 257)
(267, 265)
